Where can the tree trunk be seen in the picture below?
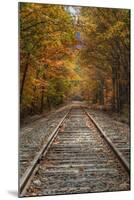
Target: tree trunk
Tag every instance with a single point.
(42, 100)
(24, 78)
(114, 94)
(102, 92)
(48, 103)
(118, 92)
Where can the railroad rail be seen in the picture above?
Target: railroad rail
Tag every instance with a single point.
(110, 143)
(34, 136)
(117, 132)
(44, 149)
(78, 157)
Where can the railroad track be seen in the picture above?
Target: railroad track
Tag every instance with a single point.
(77, 158)
(33, 136)
(118, 133)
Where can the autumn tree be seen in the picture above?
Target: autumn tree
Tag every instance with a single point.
(47, 37)
(106, 47)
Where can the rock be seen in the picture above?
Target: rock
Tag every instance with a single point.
(124, 186)
(37, 182)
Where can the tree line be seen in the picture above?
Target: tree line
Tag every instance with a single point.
(105, 56)
(47, 39)
(63, 54)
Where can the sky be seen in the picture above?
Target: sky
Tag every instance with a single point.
(72, 10)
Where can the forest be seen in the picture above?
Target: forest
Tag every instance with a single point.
(69, 52)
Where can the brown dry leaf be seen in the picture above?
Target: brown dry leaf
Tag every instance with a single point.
(87, 124)
(32, 190)
(81, 169)
(61, 129)
(56, 142)
(48, 162)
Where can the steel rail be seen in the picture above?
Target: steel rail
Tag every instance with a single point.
(28, 173)
(109, 142)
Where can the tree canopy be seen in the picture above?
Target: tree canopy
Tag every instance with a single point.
(64, 53)
(105, 55)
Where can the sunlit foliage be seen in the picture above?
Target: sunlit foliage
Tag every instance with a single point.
(66, 52)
